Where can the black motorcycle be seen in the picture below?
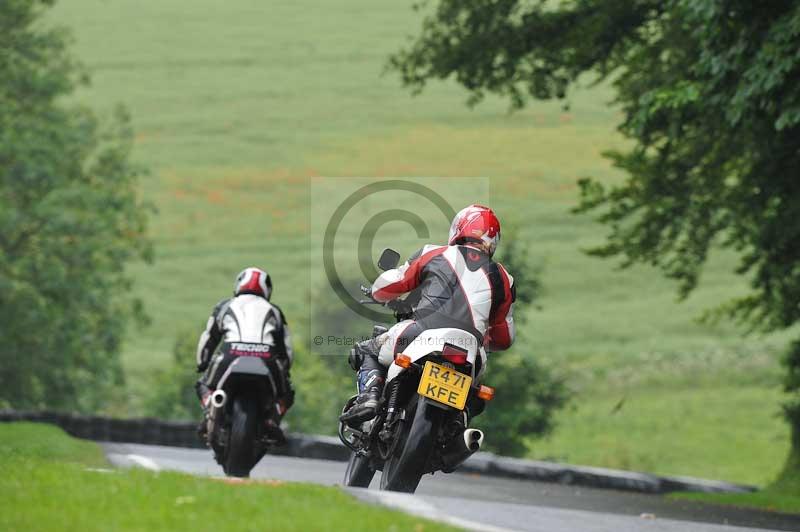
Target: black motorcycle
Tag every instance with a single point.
(422, 423)
(251, 379)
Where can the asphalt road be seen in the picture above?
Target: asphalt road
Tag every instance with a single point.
(487, 503)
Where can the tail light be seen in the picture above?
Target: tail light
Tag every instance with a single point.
(454, 354)
(486, 392)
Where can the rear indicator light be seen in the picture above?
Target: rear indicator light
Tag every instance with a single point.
(454, 354)
(486, 392)
(404, 361)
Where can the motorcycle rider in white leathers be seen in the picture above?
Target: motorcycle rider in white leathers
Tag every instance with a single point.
(247, 317)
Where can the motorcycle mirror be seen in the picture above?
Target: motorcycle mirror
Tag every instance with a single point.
(388, 259)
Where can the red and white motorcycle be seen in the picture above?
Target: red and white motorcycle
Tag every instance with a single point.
(422, 422)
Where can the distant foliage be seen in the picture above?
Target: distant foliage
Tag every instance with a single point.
(320, 393)
(70, 221)
(528, 394)
(513, 254)
(323, 376)
(336, 324)
(171, 393)
(710, 95)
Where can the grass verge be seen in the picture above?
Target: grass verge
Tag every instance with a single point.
(783, 495)
(775, 498)
(50, 482)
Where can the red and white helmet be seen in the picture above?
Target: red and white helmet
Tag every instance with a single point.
(476, 224)
(253, 281)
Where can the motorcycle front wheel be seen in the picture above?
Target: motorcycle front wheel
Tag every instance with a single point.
(404, 469)
(359, 473)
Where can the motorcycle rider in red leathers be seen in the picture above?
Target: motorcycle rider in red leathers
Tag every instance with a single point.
(459, 286)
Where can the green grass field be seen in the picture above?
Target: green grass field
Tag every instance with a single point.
(51, 481)
(237, 104)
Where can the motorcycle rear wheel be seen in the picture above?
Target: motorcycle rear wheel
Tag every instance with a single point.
(404, 469)
(241, 450)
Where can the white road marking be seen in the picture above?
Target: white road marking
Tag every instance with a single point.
(99, 470)
(143, 461)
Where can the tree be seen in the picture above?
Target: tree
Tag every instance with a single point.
(172, 394)
(710, 93)
(70, 221)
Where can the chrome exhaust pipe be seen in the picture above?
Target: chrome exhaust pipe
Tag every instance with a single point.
(473, 439)
(218, 398)
(217, 401)
(457, 451)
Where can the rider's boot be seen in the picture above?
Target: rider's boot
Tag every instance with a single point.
(370, 386)
(274, 432)
(272, 426)
(202, 427)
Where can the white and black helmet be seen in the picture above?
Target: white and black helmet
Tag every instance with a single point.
(253, 281)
